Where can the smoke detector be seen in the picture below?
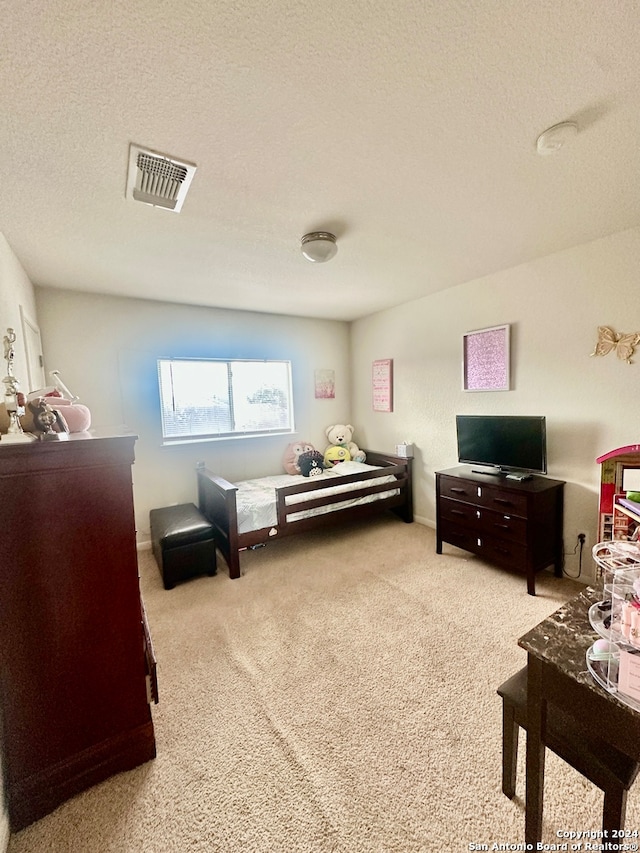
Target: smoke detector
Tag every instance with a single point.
(158, 179)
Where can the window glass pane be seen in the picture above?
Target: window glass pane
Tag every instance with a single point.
(194, 398)
(202, 398)
(260, 395)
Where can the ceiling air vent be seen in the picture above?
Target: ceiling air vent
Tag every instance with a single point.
(158, 179)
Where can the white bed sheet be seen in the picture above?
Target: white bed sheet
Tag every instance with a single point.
(256, 499)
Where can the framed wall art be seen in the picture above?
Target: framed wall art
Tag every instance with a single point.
(382, 385)
(485, 360)
(325, 384)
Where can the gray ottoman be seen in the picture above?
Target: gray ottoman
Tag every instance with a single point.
(182, 542)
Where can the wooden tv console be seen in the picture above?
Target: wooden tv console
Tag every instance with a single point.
(515, 524)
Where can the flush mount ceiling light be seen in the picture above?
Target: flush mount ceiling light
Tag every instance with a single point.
(554, 138)
(319, 246)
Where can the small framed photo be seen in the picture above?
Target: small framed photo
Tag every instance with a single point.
(485, 360)
(382, 385)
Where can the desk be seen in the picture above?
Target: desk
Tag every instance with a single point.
(558, 674)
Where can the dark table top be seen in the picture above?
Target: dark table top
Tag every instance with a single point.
(563, 638)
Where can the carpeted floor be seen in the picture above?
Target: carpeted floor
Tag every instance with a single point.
(339, 697)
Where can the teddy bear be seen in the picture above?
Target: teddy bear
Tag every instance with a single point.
(292, 454)
(335, 454)
(341, 435)
(311, 463)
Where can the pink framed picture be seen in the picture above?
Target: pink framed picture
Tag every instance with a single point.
(485, 363)
(382, 385)
(325, 384)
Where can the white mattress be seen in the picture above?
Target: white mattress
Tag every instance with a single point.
(256, 499)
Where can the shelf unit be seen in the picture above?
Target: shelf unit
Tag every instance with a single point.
(625, 520)
(614, 520)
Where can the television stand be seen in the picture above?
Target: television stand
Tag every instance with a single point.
(514, 524)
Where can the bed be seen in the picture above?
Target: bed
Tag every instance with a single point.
(254, 512)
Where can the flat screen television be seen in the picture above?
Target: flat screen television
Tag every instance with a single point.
(513, 445)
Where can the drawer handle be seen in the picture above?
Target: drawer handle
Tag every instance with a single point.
(457, 512)
(503, 501)
(503, 526)
(502, 551)
(458, 491)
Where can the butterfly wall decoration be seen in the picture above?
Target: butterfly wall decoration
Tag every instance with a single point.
(622, 344)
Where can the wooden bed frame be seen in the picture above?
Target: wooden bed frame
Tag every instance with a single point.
(217, 501)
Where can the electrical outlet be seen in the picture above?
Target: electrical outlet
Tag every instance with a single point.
(582, 539)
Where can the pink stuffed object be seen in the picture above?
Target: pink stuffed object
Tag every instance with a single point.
(292, 454)
(77, 416)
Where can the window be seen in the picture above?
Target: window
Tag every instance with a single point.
(202, 399)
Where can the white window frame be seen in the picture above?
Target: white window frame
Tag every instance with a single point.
(172, 386)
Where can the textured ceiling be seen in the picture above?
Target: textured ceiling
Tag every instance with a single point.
(407, 128)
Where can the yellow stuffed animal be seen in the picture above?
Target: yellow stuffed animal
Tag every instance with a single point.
(334, 454)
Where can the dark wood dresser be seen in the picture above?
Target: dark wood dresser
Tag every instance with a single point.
(516, 524)
(76, 663)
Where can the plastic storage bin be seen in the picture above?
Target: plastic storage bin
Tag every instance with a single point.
(614, 659)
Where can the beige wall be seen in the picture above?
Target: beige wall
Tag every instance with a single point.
(106, 350)
(554, 306)
(15, 291)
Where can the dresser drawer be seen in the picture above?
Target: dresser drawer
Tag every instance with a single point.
(494, 550)
(460, 490)
(504, 553)
(494, 497)
(500, 526)
(491, 497)
(458, 512)
(484, 521)
(461, 537)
